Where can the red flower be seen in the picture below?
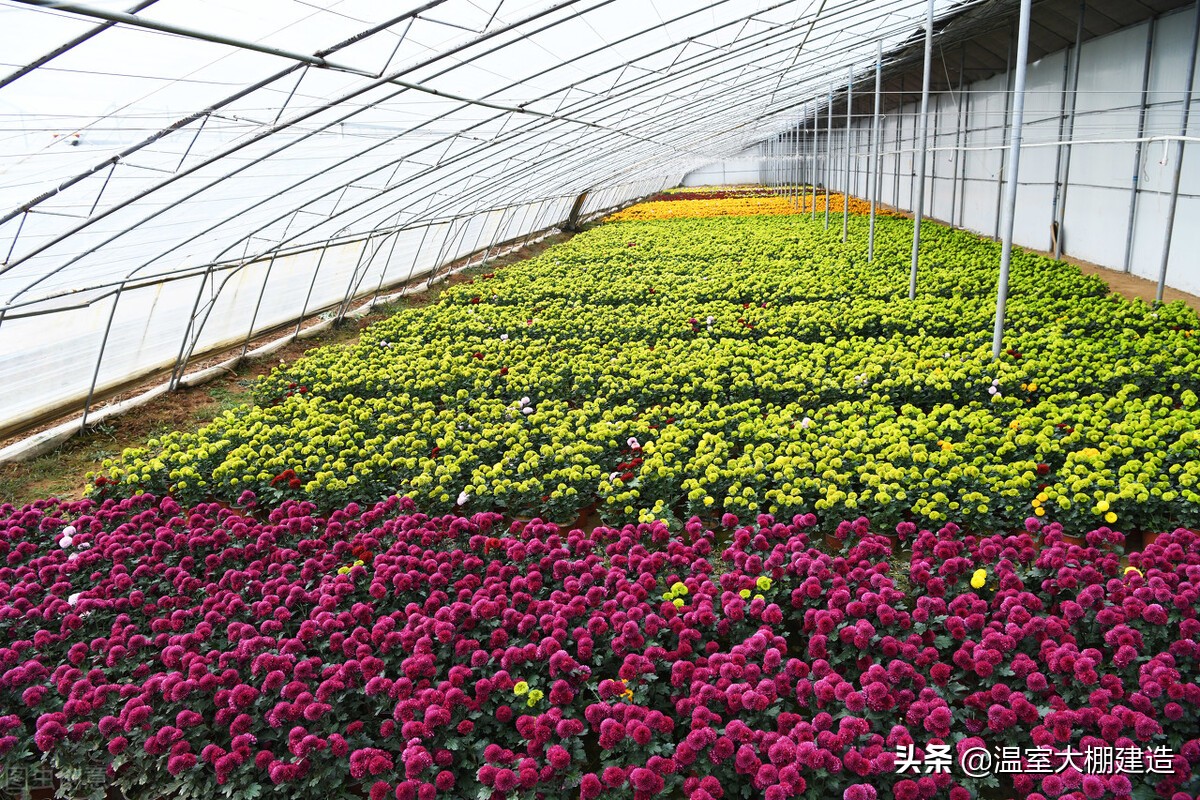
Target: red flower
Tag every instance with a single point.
(475, 301)
(478, 355)
(504, 370)
(1043, 469)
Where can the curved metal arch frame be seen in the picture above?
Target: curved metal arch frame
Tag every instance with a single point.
(361, 89)
(360, 177)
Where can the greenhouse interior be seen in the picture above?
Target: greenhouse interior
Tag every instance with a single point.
(484, 399)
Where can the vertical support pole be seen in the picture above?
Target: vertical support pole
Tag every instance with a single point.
(873, 169)
(1060, 179)
(899, 140)
(918, 205)
(1008, 74)
(796, 167)
(417, 255)
(257, 305)
(936, 114)
(387, 263)
(356, 278)
(1014, 166)
(958, 130)
(180, 359)
(308, 296)
(966, 124)
(1126, 264)
(813, 160)
(87, 404)
(828, 155)
(1176, 172)
(849, 118)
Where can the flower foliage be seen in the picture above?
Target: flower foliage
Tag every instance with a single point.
(737, 203)
(203, 652)
(741, 364)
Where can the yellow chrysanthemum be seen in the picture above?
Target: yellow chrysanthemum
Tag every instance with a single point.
(979, 579)
(1110, 517)
(745, 594)
(763, 583)
(520, 688)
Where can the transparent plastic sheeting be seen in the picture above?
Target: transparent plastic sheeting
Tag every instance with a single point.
(50, 358)
(148, 174)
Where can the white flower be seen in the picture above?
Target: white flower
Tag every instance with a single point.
(504, 337)
(524, 401)
(612, 476)
(710, 320)
(73, 556)
(992, 390)
(463, 497)
(633, 443)
(84, 545)
(806, 422)
(69, 530)
(73, 599)
(527, 410)
(65, 542)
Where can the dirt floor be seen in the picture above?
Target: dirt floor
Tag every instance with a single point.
(61, 473)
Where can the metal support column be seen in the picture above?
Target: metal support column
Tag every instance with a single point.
(918, 205)
(873, 169)
(1008, 74)
(958, 132)
(87, 404)
(1183, 125)
(1014, 165)
(899, 139)
(828, 155)
(813, 161)
(849, 117)
(258, 304)
(1126, 264)
(1060, 179)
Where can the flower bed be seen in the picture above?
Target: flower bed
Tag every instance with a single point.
(701, 205)
(751, 365)
(207, 652)
(714, 193)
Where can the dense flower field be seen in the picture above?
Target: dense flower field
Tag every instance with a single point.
(701, 204)
(741, 364)
(210, 652)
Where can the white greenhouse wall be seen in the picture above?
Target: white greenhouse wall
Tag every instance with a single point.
(964, 188)
(148, 328)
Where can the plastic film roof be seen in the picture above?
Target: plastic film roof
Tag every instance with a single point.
(144, 144)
